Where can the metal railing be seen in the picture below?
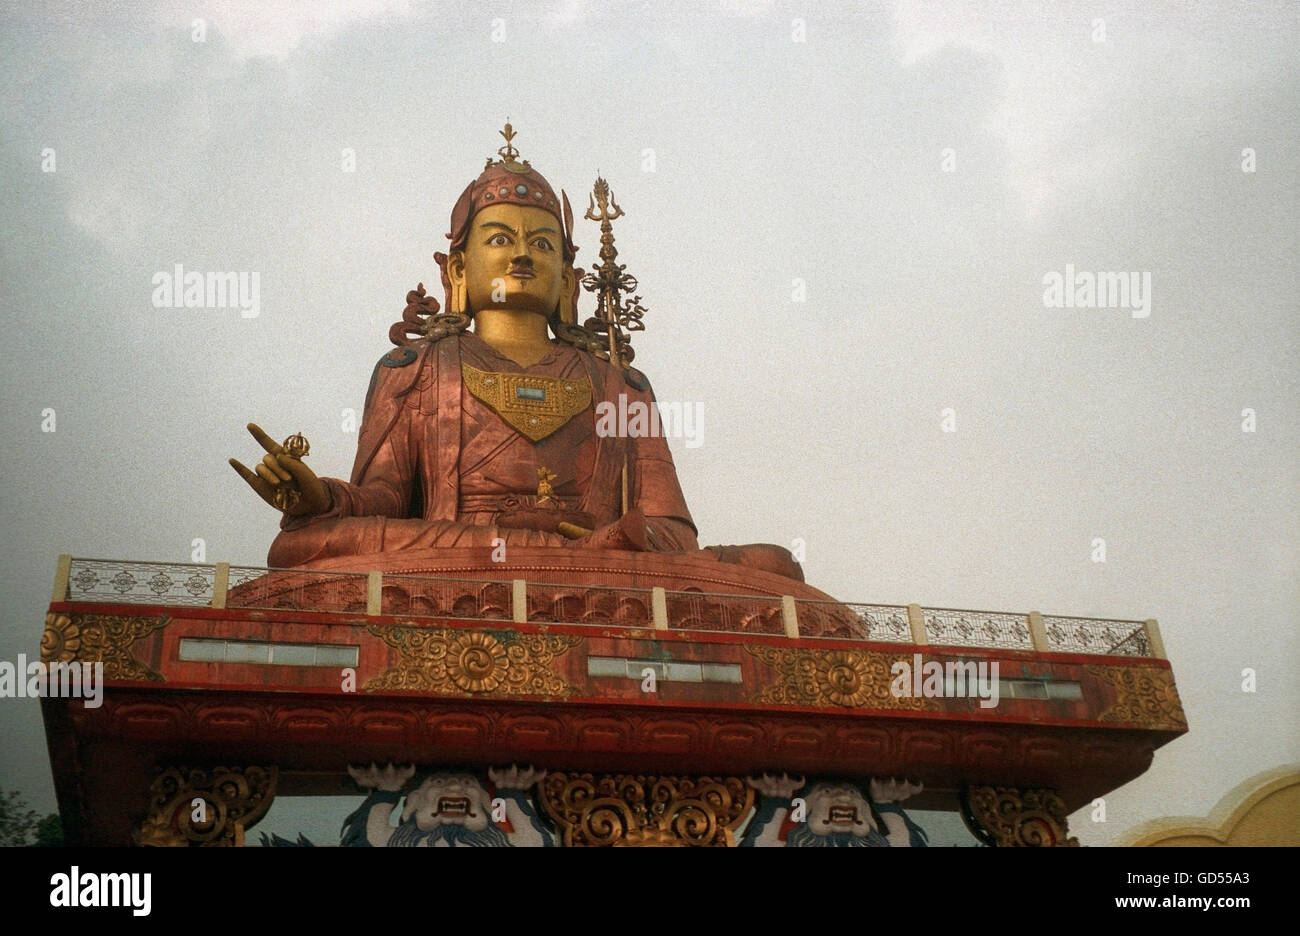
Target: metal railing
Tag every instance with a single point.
(1096, 635)
(953, 627)
(706, 611)
(166, 583)
(854, 621)
(249, 587)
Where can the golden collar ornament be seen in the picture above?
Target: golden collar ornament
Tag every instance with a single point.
(534, 405)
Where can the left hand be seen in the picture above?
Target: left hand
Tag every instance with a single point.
(545, 519)
(779, 786)
(893, 791)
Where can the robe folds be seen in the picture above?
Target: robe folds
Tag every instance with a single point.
(437, 467)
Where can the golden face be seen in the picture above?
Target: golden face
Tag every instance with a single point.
(513, 259)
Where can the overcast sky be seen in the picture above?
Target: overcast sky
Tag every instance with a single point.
(1110, 137)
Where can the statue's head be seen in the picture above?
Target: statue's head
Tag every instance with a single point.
(448, 799)
(835, 807)
(511, 243)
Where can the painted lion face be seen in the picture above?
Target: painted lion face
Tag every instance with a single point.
(449, 799)
(838, 807)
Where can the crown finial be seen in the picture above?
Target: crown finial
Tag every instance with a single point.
(508, 153)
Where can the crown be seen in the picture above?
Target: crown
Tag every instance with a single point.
(509, 155)
(511, 181)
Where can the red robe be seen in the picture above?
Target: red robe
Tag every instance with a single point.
(435, 465)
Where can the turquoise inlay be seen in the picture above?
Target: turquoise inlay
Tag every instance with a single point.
(530, 393)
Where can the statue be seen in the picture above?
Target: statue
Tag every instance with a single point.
(488, 436)
(833, 814)
(447, 810)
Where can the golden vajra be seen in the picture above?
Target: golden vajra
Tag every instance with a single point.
(545, 493)
(296, 446)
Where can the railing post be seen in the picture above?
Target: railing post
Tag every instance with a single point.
(220, 584)
(519, 601)
(659, 607)
(1038, 633)
(62, 575)
(789, 617)
(916, 622)
(1154, 640)
(374, 593)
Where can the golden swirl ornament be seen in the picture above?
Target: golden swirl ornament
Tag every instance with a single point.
(476, 662)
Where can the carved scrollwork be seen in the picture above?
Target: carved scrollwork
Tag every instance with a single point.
(438, 659)
(847, 678)
(1144, 695)
(1009, 818)
(201, 807)
(634, 810)
(100, 638)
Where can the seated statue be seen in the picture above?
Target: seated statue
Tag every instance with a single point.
(490, 436)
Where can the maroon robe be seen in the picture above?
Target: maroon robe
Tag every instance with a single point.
(436, 466)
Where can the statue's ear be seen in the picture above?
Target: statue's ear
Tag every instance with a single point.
(567, 308)
(456, 266)
(457, 304)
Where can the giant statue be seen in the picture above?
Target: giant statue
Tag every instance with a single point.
(480, 428)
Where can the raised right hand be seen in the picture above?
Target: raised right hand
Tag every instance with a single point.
(278, 470)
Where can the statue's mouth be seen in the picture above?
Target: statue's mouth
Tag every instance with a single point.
(840, 814)
(453, 806)
(522, 273)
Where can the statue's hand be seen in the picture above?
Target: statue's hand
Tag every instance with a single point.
(893, 791)
(280, 471)
(546, 519)
(778, 786)
(389, 778)
(627, 532)
(515, 777)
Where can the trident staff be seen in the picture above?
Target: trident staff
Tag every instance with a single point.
(615, 316)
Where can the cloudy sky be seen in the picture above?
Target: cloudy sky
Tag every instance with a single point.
(919, 168)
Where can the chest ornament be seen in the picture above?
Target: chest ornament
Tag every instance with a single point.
(534, 405)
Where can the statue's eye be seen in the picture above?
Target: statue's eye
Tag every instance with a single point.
(542, 243)
(498, 240)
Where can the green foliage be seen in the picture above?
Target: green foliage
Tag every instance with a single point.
(22, 826)
(49, 832)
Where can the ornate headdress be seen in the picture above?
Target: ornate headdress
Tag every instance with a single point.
(510, 181)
